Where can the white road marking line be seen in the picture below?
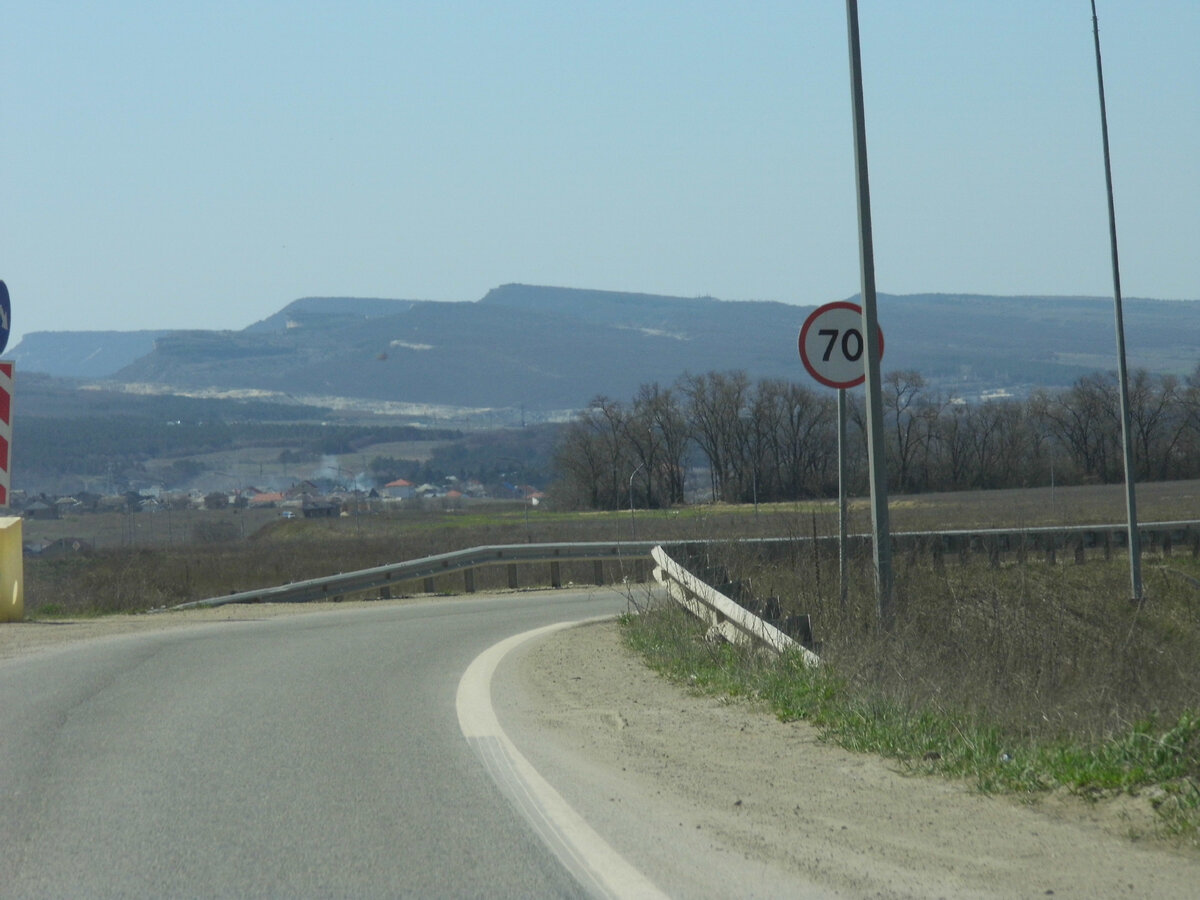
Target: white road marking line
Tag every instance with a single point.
(584, 853)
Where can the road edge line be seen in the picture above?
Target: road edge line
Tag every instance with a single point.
(582, 851)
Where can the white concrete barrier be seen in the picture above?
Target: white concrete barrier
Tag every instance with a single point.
(736, 624)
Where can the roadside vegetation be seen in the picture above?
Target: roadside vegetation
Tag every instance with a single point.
(1025, 678)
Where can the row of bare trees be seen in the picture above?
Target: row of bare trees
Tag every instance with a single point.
(721, 436)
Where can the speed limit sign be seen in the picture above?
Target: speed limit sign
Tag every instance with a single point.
(832, 345)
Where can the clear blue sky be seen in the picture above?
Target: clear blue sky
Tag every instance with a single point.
(199, 165)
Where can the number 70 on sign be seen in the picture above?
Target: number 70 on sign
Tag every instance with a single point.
(831, 345)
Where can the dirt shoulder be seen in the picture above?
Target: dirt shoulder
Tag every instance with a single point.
(851, 824)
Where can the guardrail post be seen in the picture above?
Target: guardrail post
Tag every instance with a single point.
(1166, 544)
(598, 571)
(512, 576)
(385, 592)
(428, 587)
(469, 580)
(1107, 546)
(555, 574)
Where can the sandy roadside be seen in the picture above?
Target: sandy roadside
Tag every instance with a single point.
(770, 791)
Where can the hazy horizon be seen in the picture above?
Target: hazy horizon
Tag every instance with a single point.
(202, 166)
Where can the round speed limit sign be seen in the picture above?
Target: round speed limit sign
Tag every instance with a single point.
(832, 345)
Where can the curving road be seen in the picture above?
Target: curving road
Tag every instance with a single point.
(430, 750)
(312, 755)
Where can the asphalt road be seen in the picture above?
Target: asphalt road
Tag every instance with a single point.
(306, 756)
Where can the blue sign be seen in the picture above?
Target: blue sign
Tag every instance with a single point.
(5, 316)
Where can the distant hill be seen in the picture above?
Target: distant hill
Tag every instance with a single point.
(309, 312)
(81, 354)
(555, 348)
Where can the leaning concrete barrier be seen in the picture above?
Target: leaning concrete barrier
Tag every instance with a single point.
(733, 622)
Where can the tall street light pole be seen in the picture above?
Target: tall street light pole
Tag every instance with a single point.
(884, 585)
(1135, 540)
(632, 521)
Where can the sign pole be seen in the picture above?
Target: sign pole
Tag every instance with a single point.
(1135, 538)
(12, 559)
(842, 517)
(6, 394)
(6, 398)
(833, 350)
(884, 586)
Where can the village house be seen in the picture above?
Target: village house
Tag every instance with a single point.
(267, 500)
(40, 509)
(399, 490)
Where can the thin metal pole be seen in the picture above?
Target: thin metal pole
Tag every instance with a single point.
(842, 505)
(884, 586)
(1135, 541)
(632, 520)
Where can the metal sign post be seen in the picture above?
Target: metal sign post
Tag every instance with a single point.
(12, 560)
(5, 316)
(6, 395)
(1135, 539)
(884, 586)
(832, 349)
(843, 525)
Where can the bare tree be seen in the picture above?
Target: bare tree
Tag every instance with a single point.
(594, 453)
(1085, 422)
(775, 440)
(907, 415)
(658, 437)
(1158, 419)
(715, 402)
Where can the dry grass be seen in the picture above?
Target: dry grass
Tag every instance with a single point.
(1045, 648)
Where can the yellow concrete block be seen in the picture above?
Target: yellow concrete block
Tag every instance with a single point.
(12, 570)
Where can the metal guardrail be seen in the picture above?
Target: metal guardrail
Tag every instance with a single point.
(427, 568)
(724, 617)
(1163, 536)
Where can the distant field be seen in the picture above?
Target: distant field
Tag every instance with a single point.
(1099, 504)
(166, 528)
(260, 466)
(507, 522)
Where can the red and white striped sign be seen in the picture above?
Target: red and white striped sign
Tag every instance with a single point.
(6, 394)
